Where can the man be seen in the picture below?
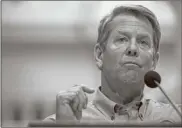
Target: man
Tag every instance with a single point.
(127, 48)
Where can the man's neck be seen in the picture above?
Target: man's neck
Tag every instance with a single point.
(120, 96)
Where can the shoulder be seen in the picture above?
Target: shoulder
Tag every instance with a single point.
(155, 110)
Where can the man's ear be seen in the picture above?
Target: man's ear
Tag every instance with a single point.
(98, 55)
(155, 61)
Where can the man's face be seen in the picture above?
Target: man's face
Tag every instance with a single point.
(129, 50)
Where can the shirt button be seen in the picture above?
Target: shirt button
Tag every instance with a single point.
(112, 117)
(141, 116)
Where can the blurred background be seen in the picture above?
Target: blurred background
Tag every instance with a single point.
(47, 46)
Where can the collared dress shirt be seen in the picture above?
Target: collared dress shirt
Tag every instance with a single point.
(140, 109)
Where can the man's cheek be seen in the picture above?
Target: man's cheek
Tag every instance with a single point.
(148, 61)
(112, 56)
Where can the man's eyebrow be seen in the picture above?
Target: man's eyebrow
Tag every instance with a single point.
(124, 33)
(144, 36)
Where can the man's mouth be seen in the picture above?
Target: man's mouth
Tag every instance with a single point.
(132, 64)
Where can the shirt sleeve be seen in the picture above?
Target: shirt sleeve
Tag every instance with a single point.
(163, 113)
(174, 116)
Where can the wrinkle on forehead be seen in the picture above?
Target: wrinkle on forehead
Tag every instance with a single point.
(125, 20)
(133, 30)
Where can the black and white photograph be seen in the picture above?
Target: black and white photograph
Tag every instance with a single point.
(91, 64)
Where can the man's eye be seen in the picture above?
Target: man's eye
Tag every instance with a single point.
(144, 44)
(120, 41)
(123, 39)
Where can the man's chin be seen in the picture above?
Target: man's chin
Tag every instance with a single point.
(130, 76)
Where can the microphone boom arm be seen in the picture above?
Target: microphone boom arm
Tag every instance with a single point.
(170, 101)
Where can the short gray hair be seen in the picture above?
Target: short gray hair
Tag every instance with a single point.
(134, 10)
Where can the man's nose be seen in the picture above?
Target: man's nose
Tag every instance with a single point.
(132, 50)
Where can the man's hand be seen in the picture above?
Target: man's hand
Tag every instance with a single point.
(69, 104)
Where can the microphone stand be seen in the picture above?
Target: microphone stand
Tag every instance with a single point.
(170, 101)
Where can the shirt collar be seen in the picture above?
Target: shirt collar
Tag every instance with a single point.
(106, 106)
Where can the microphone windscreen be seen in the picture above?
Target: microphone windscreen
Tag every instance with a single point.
(150, 77)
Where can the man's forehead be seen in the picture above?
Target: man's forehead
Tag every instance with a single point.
(125, 20)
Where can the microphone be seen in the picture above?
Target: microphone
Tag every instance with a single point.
(152, 79)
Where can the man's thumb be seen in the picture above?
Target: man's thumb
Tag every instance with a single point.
(87, 89)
